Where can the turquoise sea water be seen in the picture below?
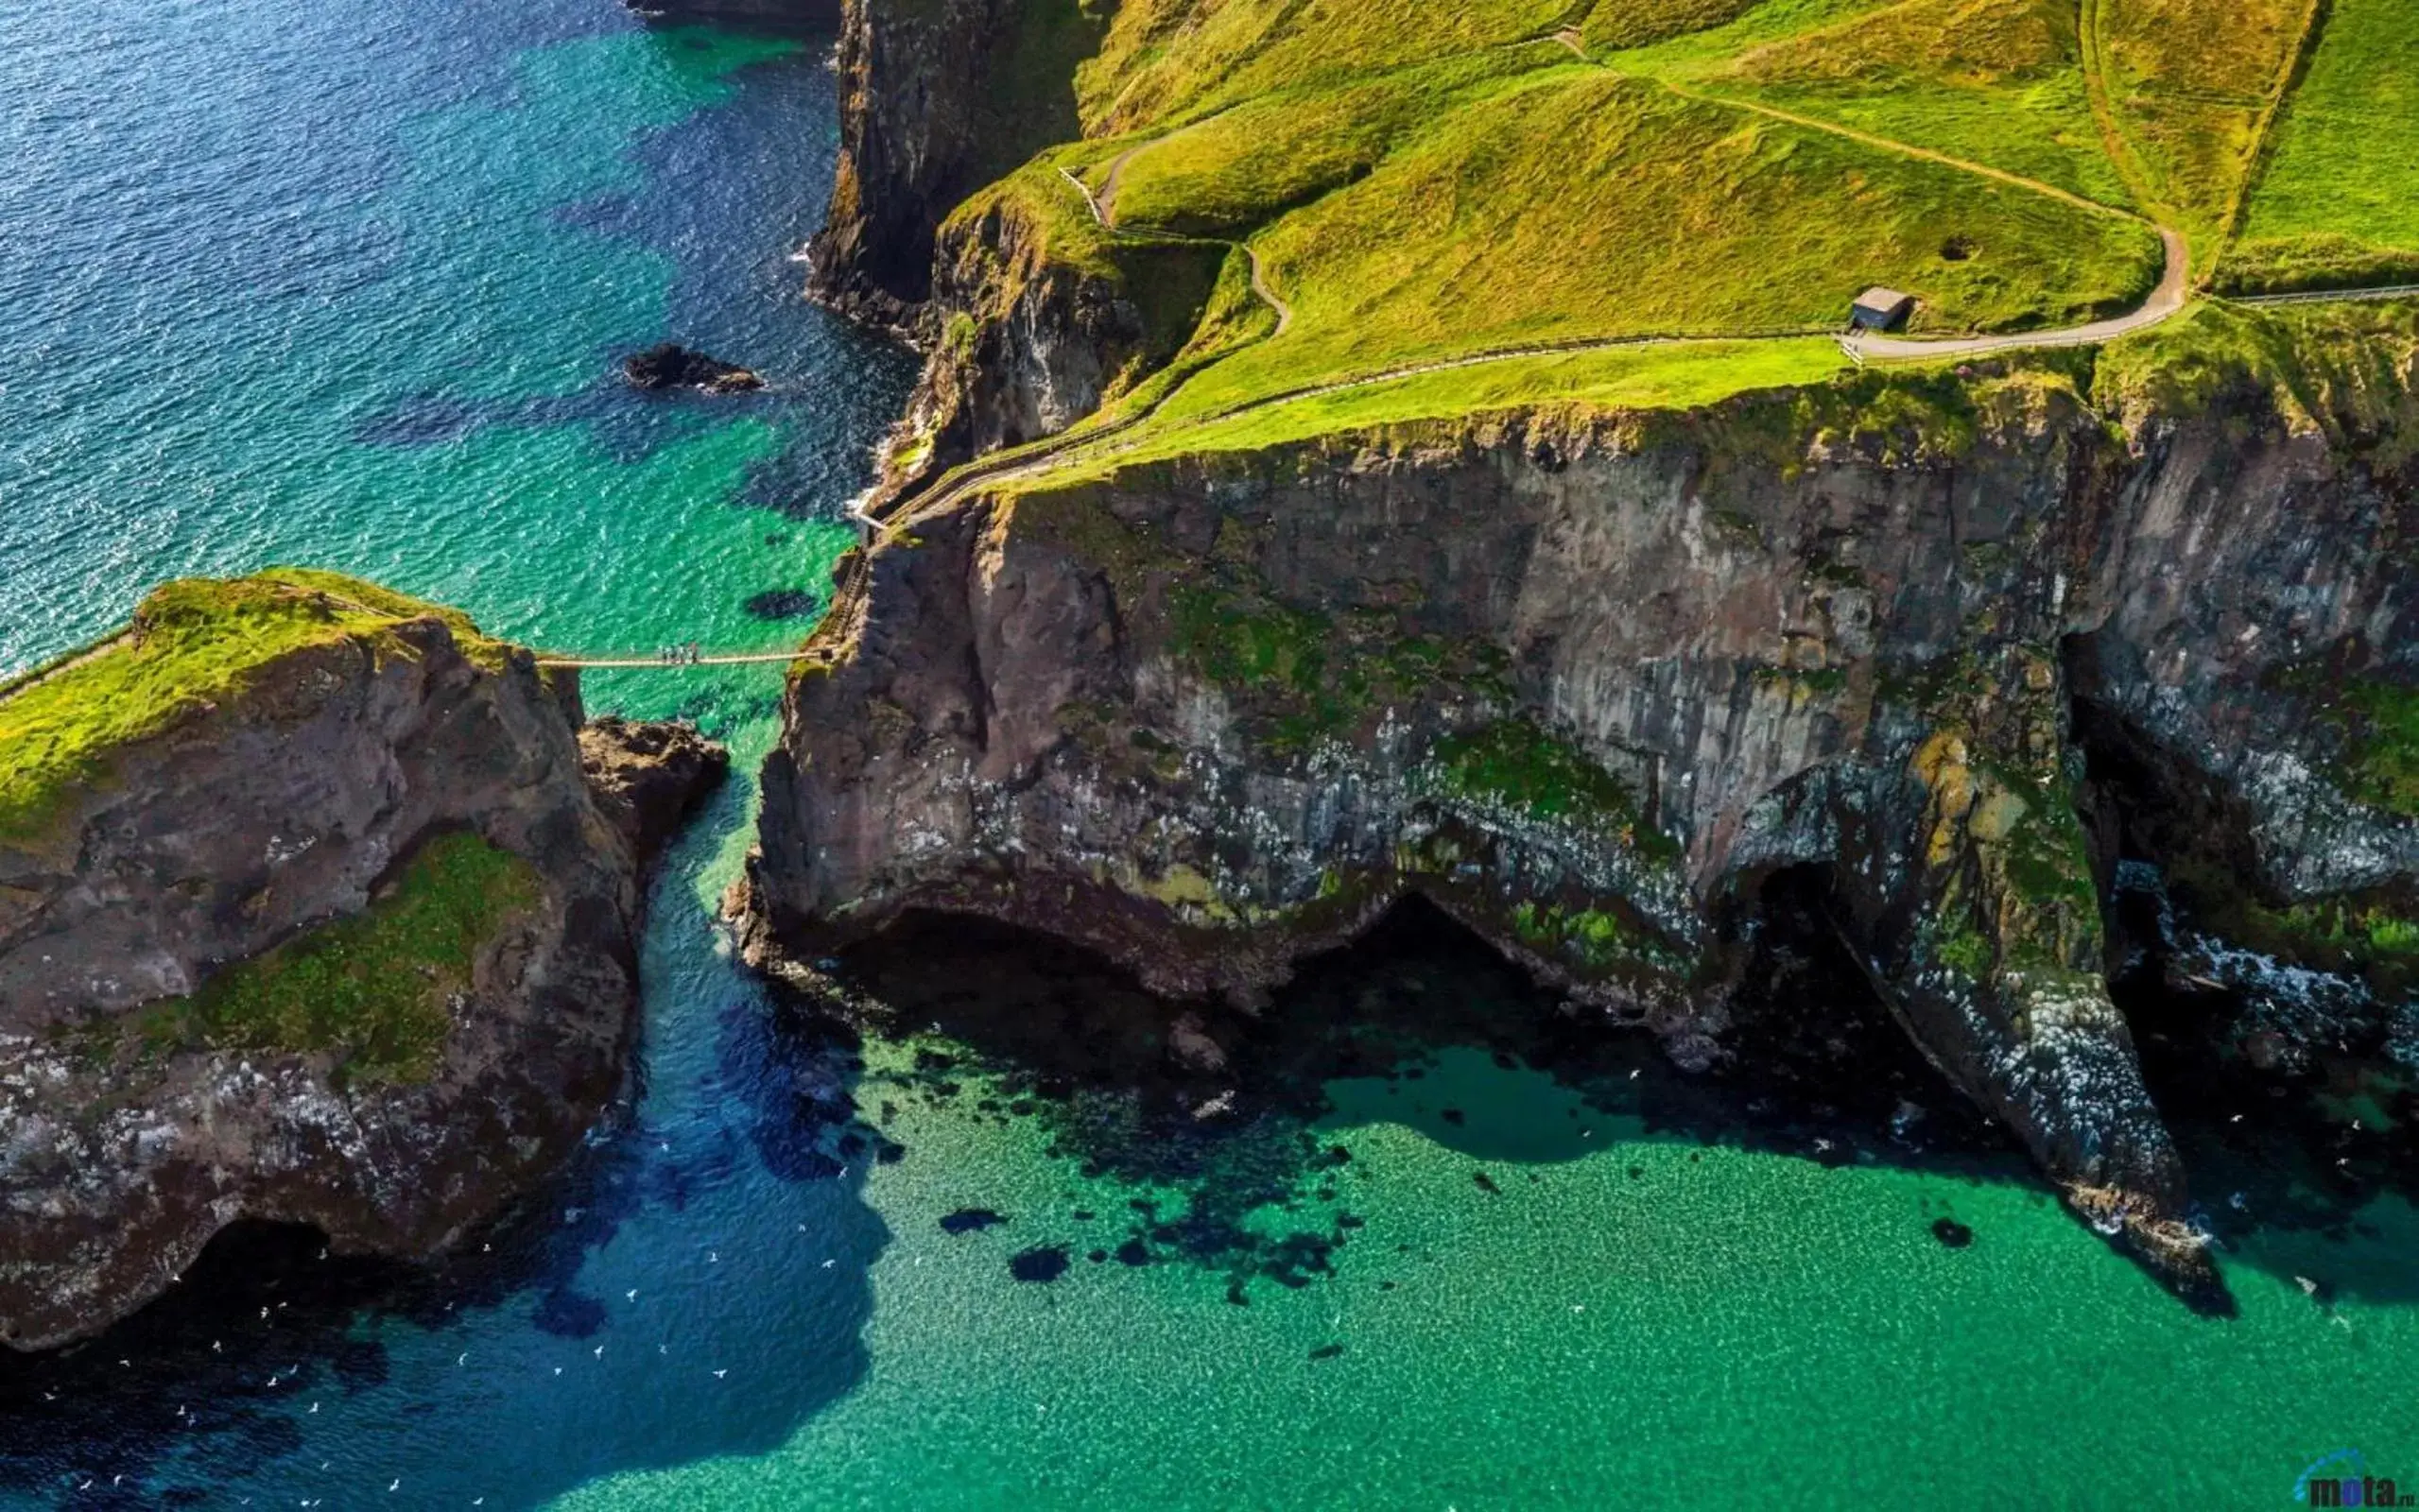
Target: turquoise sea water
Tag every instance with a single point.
(342, 285)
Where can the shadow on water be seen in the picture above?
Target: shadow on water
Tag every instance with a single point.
(1222, 1121)
(718, 1230)
(694, 1286)
(2294, 1093)
(2287, 1155)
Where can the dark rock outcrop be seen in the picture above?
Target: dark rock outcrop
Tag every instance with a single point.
(670, 366)
(1584, 684)
(180, 1046)
(935, 101)
(648, 777)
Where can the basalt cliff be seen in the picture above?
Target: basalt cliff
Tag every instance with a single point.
(316, 906)
(1960, 653)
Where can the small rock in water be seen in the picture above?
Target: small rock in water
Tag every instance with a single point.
(1044, 1262)
(672, 365)
(1456, 1117)
(1952, 1233)
(967, 1220)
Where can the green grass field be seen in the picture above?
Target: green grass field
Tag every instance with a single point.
(1575, 205)
(192, 642)
(2338, 201)
(1618, 378)
(1165, 62)
(1426, 186)
(2186, 87)
(1994, 82)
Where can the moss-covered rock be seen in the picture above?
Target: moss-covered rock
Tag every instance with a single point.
(309, 912)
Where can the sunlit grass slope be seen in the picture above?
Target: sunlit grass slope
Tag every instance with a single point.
(1577, 205)
(1997, 82)
(1167, 61)
(1422, 188)
(2185, 89)
(1604, 380)
(2339, 201)
(192, 642)
(1236, 170)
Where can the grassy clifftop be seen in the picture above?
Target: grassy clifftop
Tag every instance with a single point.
(191, 643)
(1437, 210)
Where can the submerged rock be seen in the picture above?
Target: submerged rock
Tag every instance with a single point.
(329, 926)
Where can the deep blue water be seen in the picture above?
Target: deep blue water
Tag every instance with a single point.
(343, 285)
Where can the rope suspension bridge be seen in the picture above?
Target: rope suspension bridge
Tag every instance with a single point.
(671, 661)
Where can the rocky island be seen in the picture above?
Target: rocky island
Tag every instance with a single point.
(1331, 482)
(316, 906)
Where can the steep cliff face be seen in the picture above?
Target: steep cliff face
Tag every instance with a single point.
(1037, 324)
(340, 934)
(1587, 683)
(938, 97)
